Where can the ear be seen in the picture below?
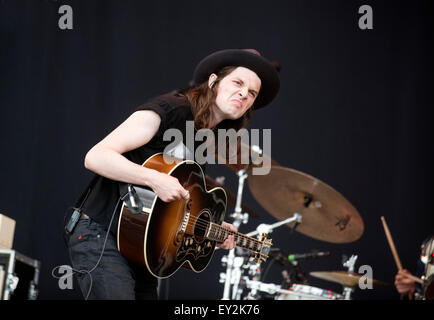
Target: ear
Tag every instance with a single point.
(211, 79)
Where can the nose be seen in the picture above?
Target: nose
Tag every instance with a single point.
(243, 92)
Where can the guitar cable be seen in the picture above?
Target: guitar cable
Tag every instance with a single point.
(99, 259)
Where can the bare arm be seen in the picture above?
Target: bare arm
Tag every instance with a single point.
(106, 158)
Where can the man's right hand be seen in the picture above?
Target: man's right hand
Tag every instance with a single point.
(403, 284)
(168, 188)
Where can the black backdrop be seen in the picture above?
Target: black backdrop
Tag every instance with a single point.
(353, 110)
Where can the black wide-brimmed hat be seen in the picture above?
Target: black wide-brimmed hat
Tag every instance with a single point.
(248, 58)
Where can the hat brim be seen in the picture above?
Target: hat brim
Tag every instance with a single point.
(270, 80)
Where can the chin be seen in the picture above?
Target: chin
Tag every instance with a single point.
(236, 117)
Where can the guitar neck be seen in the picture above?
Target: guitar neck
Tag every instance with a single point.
(218, 233)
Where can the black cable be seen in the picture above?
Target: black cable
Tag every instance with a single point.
(99, 259)
(263, 276)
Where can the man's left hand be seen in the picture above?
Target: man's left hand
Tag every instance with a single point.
(229, 243)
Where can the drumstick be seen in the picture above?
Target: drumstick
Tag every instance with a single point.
(395, 254)
(419, 280)
(391, 244)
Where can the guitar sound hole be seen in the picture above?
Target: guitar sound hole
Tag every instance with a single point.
(188, 205)
(201, 224)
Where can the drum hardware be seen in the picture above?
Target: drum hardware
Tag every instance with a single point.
(306, 292)
(268, 228)
(303, 203)
(345, 278)
(236, 274)
(295, 292)
(295, 274)
(254, 269)
(257, 286)
(286, 279)
(350, 265)
(238, 219)
(348, 279)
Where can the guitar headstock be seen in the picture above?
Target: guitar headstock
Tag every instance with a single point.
(262, 254)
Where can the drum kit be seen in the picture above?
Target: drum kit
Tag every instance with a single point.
(302, 203)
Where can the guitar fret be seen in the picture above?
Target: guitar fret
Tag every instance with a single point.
(220, 234)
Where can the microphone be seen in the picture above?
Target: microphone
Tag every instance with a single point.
(305, 256)
(132, 200)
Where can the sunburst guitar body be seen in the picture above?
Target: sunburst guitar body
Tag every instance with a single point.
(163, 236)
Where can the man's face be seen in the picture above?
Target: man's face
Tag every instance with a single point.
(237, 92)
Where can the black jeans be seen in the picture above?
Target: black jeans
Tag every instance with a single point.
(114, 277)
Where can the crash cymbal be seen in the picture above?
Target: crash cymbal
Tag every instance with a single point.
(326, 214)
(347, 279)
(245, 158)
(232, 199)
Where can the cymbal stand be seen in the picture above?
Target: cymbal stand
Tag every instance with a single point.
(230, 258)
(268, 228)
(350, 265)
(254, 269)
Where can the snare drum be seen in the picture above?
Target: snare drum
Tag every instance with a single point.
(303, 292)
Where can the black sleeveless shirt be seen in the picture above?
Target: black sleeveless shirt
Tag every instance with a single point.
(99, 199)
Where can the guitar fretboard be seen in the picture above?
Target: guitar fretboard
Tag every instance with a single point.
(219, 234)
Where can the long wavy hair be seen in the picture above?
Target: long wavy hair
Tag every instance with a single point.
(202, 99)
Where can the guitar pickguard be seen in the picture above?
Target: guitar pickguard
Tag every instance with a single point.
(190, 246)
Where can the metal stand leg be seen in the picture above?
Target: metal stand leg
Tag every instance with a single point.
(238, 218)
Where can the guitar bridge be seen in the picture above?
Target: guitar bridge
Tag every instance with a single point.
(184, 223)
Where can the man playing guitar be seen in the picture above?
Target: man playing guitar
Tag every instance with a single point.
(227, 86)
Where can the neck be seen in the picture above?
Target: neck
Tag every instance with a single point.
(216, 118)
(218, 233)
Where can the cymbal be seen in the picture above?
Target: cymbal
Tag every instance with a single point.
(232, 199)
(245, 158)
(347, 279)
(326, 214)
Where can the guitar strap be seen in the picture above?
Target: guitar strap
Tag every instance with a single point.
(70, 219)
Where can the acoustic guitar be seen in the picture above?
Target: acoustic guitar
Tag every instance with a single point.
(163, 236)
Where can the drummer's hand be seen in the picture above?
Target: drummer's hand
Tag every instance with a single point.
(403, 284)
(229, 243)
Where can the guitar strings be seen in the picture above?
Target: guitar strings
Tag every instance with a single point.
(202, 225)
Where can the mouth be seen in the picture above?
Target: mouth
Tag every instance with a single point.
(237, 102)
